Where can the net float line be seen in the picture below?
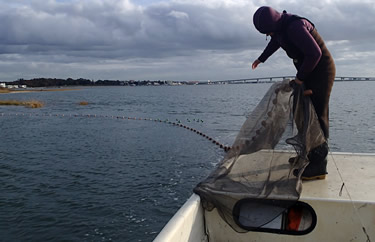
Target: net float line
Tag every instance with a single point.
(177, 123)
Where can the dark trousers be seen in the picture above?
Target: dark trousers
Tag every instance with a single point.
(320, 81)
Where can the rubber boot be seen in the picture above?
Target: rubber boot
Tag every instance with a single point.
(317, 168)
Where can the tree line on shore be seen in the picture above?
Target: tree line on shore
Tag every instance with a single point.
(56, 82)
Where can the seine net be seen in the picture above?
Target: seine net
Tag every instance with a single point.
(261, 165)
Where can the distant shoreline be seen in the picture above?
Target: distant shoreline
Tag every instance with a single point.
(79, 87)
(8, 91)
(81, 82)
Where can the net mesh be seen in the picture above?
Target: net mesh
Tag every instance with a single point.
(259, 167)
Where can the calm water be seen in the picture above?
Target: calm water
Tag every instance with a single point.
(108, 179)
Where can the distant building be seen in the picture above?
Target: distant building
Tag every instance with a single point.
(3, 85)
(12, 86)
(192, 82)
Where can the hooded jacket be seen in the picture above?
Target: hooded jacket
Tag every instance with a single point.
(302, 43)
(266, 20)
(293, 36)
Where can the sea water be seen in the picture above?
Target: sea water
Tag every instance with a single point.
(71, 172)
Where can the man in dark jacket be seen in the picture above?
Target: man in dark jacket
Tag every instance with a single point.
(314, 64)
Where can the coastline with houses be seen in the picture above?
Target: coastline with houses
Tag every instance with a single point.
(4, 85)
(56, 82)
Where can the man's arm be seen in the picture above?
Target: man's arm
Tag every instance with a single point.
(299, 34)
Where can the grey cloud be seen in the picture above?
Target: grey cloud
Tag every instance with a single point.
(336, 20)
(154, 31)
(165, 38)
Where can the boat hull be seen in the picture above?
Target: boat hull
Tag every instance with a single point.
(344, 204)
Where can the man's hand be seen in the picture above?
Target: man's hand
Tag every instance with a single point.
(255, 64)
(299, 82)
(307, 92)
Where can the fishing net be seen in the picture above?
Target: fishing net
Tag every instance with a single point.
(260, 166)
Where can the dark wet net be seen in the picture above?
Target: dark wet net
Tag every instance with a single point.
(260, 166)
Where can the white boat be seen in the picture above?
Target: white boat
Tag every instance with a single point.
(344, 205)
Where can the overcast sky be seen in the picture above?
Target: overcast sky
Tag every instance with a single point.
(170, 39)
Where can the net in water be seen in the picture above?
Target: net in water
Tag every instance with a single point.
(258, 167)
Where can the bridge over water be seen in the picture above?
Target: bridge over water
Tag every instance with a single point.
(280, 78)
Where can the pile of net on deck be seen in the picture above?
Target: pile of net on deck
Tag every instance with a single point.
(256, 167)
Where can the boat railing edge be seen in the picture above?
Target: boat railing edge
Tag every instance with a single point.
(187, 224)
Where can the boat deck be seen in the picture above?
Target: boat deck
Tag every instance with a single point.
(344, 212)
(357, 171)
